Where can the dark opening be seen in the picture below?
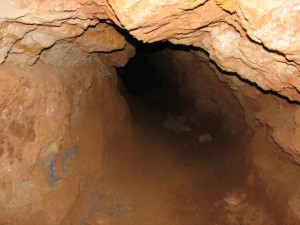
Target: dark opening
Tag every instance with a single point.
(143, 81)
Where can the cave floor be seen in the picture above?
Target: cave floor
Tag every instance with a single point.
(169, 178)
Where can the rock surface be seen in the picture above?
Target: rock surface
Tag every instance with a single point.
(58, 56)
(273, 120)
(259, 40)
(44, 154)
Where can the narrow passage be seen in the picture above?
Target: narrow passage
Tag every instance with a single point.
(174, 172)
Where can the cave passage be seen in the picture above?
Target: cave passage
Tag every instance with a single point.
(178, 171)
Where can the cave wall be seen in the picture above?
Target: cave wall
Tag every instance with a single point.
(213, 90)
(256, 39)
(58, 118)
(270, 122)
(57, 57)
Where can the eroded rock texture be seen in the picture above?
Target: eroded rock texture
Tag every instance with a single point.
(207, 91)
(58, 56)
(256, 39)
(49, 145)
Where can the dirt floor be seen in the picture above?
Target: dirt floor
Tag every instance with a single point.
(170, 177)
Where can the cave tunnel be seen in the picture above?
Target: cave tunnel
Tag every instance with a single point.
(149, 113)
(187, 123)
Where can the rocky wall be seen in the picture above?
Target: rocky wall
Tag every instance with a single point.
(227, 95)
(58, 56)
(257, 40)
(271, 122)
(58, 117)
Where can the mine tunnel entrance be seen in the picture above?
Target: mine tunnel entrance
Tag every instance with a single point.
(188, 163)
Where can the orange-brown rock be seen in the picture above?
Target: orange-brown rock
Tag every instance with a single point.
(233, 32)
(60, 109)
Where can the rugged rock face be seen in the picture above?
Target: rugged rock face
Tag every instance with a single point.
(256, 39)
(57, 57)
(270, 118)
(47, 150)
(253, 39)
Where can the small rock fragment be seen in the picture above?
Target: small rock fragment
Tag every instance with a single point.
(232, 201)
(176, 124)
(204, 138)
